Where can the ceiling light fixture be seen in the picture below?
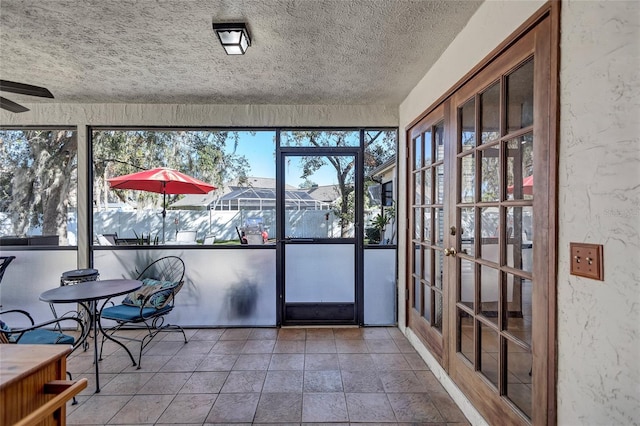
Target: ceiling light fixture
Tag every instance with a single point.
(233, 37)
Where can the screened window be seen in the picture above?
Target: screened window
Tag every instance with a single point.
(38, 187)
(240, 164)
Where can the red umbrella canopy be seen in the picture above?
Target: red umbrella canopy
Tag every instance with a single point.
(161, 180)
(527, 186)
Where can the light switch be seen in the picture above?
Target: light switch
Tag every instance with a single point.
(586, 260)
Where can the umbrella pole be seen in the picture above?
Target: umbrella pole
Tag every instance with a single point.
(164, 212)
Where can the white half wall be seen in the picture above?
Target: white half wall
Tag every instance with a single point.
(599, 193)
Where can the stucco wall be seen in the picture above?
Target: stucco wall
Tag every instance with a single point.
(599, 178)
(599, 193)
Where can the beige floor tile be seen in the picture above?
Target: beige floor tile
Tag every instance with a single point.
(283, 382)
(324, 407)
(369, 407)
(236, 334)
(414, 407)
(279, 408)
(164, 383)
(318, 362)
(98, 409)
(234, 408)
(217, 362)
(188, 409)
(142, 409)
(322, 381)
(126, 384)
(209, 382)
(244, 382)
(287, 362)
(252, 362)
(361, 382)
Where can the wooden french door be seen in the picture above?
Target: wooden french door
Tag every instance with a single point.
(482, 232)
(427, 216)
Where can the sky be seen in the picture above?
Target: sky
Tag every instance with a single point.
(259, 149)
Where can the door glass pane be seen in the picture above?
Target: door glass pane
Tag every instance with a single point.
(417, 262)
(519, 153)
(468, 178)
(467, 231)
(467, 276)
(427, 304)
(439, 227)
(489, 293)
(426, 272)
(489, 227)
(519, 362)
(437, 314)
(428, 186)
(520, 97)
(439, 263)
(417, 153)
(439, 141)
(439, 188)
(417, 185)
(465, 335)
(428, 225)
(314, 186)
(417, 223)
(428, 148)
(520, 238)
(520, 308)
(490, 113)
(490, 176)
(468, 122)
(320, 138)
(319, 273)
(489, 349)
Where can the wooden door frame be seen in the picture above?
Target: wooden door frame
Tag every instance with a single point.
(544, 351)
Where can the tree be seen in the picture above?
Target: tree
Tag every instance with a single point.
(199, 153)
(379, 147)
(43, 186)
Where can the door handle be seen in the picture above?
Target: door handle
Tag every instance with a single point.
(450, 251)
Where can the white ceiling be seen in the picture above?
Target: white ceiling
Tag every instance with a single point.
(353, 52)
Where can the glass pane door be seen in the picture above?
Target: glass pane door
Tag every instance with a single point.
(318, 247)
(428, 177)
(494, 214)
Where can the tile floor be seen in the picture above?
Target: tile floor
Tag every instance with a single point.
(297, 376)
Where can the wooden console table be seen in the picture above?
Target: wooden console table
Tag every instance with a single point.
(33, 389)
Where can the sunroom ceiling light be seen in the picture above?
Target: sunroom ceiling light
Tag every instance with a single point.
(233, 37)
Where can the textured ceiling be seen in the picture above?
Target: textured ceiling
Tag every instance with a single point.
(354, 52)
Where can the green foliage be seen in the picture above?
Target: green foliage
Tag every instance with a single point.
(38, 179)
(201, 154)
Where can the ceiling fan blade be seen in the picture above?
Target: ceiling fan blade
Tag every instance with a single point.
(24, 89)
(11, 106)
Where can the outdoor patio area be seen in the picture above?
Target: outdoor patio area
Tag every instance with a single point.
(264, 376)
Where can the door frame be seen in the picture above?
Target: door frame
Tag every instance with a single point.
(358, 241)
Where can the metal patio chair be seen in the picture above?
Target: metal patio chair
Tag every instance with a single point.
(146, 307)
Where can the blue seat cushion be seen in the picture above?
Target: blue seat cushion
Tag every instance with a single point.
(45, 337)
(132, 313)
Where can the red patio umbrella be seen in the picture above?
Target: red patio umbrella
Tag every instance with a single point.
(527, 186)
(163, 181)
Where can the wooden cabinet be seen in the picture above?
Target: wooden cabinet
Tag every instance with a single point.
(33, 389)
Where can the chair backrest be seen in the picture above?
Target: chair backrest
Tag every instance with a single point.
(169, 268)
(186, 236)
(209, 239)
(4, 262)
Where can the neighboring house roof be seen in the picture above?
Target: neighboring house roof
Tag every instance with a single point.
(385, 167)
(255, 188)
(325, 193)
